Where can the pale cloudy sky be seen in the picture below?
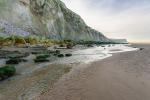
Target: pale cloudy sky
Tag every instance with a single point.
(116, 18)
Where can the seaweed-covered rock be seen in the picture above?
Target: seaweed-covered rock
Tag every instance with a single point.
(41, 60)
(7, 71)
(35, 52)
(18, 55)
(89, 45)
(15, 61)
(12, 61)
(61, 45)
(68, 55)
(42, 56)
(141, 48)
(12, 54)
(55, 54)
(60, 55)
(57, 51)
(69, 46)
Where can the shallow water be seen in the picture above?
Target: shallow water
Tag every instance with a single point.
(38, 72)
(95, 53)
(79, 56)
(2, 62)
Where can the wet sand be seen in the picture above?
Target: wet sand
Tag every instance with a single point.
(29, 86)
(124, 76)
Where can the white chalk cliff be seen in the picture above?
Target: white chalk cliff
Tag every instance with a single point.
(50, 18)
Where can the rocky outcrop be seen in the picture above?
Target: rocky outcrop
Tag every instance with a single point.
(46, 17)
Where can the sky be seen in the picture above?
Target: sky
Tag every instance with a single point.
(128, 19)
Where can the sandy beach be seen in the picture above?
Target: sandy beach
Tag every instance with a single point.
(74, 50)
(85, 72)
(124, 76)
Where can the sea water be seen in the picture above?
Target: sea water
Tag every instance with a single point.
(96, 53)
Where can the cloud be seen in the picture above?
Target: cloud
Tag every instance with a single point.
(116, 18)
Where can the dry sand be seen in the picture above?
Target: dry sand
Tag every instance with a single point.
(124, 76)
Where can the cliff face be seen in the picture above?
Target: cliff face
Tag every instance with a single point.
(45, 17)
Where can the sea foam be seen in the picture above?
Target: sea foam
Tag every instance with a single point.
(96, 53)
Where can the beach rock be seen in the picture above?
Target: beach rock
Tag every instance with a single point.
(60, 55)
(7, 71)
(69, 46)
(141, 48)
(12, 61)
(42, 56)
(17, 55)
(68, 55)
(12, 54)
(49, 18)
(90, 45)
(40, 60)
(57, 51)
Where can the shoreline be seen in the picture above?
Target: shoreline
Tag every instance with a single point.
(43, 78)
(119, 77)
